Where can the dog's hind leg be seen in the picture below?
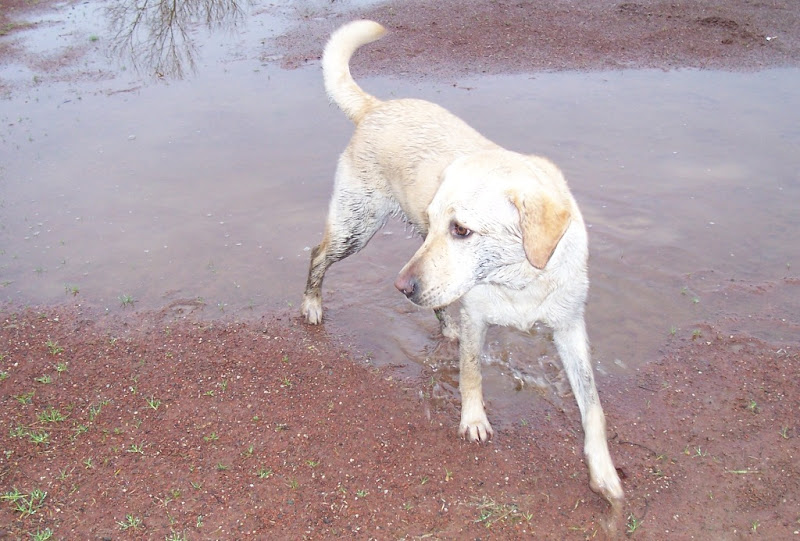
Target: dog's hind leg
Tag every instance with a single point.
(354, 216)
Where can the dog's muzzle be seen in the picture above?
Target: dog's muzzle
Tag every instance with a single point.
(408, 285)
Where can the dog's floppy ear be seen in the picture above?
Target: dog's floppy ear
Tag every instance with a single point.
(543, 220)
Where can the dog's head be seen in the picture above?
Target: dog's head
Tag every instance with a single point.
(497, 217)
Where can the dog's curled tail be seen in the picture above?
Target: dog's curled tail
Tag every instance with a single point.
(339, 84)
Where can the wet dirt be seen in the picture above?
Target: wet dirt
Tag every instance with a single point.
(161, 426)
(172, 218)
(451, 39)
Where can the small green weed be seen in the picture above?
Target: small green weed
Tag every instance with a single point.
(39, 437)
(78, 430)
(26, 398)
(698, 452)
(633, 524)
(136, 448)
(94, 410)
(54, 348)
(42, 535)
(13, 495)
(130, 522)
(51, 415)
(25, 504)
(134, 387)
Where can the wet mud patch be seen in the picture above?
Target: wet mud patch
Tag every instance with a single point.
(447, 39)
(160, 425)
(14, 9)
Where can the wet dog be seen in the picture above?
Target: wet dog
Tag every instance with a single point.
(505, 242)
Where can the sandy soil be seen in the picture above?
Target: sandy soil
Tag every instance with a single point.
(167, 425)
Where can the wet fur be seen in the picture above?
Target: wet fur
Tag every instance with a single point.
(522, 261)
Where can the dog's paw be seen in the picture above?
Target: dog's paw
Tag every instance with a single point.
(476, 432)
(475, 425)
(604, 480)
(312, 310)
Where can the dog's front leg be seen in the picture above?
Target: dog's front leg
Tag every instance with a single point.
(573, 346)
(474, 423)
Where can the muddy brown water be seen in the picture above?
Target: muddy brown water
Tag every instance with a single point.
(215, 187)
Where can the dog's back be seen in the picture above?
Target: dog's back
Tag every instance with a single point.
(392, 143)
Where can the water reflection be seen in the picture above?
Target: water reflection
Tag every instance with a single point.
(156, 35)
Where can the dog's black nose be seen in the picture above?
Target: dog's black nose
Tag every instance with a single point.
(406, 285)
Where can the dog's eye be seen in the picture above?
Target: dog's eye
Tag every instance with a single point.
(460, 231)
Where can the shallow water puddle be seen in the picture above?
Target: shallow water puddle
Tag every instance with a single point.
(215, 187)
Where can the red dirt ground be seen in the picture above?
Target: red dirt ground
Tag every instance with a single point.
(230, 430)
(451, 37)
(168, 425)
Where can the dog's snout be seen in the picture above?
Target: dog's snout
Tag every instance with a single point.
(407, 285)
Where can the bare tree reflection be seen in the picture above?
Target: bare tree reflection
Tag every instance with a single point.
(156, 34)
